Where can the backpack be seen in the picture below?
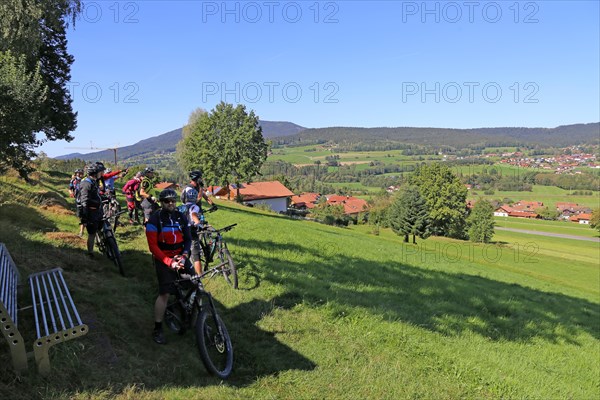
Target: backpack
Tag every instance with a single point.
(184, 209)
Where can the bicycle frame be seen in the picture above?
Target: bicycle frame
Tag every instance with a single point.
(183, 298)
(212, 243)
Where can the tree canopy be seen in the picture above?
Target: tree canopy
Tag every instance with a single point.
(408, 214)
(226, 144)
(34, 71)
(445, 197)
(481, 222)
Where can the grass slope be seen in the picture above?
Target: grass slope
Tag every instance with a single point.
(324, 313)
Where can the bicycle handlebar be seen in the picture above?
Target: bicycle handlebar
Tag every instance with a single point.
(209, 230)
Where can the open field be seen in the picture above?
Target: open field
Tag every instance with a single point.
(566, 227)
(549, 195)
(326, 312)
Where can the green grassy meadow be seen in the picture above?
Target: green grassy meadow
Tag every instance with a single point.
(322, 312)
(549, 195)
(562, 227)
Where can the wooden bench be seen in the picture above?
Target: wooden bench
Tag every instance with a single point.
(56, 317)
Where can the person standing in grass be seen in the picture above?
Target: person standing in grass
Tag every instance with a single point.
(148, 202)
(169, 240)
(197, 184)
(91, 205)
(74, 187)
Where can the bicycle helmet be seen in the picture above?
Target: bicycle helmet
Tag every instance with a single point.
(167, 194)
(79, 171)
(101, 166)
(190, 195)
(92, 169)
(146, 171)
(108, 170)
(195, 175)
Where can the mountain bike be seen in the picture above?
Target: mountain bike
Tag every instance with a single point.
(111, 208)
(193, 307)
(107, 244)
(212, 242)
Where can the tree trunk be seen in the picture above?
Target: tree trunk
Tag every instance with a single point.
(405, 238)
(414, 239)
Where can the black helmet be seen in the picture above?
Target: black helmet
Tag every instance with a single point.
(79, 171)
(147, 170)
(168, 194)
(101, 166)
(92, 169)
(195, 175)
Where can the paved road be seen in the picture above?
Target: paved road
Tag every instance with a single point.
(559, 235)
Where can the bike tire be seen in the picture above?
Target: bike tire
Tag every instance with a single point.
(116, 254)
(175, 317)
(229, 270)
(214, 344)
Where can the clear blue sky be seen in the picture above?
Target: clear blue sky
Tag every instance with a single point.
(141, 67)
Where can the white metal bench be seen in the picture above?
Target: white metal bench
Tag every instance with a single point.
(55, 314)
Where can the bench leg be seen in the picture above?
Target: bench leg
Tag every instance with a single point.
(42, 359)
(15, 341)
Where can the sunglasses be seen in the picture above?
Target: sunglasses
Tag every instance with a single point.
(169, 201)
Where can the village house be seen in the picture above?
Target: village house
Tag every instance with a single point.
(352, 205)
(507, 211)
(305, 201)
(581, 218)
(274, 194)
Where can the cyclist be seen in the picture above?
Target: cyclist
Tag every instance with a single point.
(74, 192)
(193, 213)
(107, 175)
(109, 179)
(169, 240)
(148, 202)
(197, 184)
(130, 190)
(75, 181)
(91, 205)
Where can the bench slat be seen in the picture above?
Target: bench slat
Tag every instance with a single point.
(8, 283)
(55, 310)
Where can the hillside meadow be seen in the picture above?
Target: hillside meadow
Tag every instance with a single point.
(322, 312)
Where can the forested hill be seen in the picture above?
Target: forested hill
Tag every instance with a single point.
(166, 142)
(561, 136)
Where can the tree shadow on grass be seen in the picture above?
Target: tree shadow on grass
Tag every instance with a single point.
(448, 303)
(118, 351)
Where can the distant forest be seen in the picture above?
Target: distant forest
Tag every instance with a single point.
(423, 140)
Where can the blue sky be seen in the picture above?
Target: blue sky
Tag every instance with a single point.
(141, 67)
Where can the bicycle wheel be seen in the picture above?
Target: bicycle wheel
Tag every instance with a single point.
(229, 270)
(116, 254)
(214, 343)
(100, 243)
(175, 317)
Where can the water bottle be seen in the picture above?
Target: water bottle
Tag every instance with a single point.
(202, 219)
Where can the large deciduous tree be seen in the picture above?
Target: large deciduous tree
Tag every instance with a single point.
(227, 144)
(408, 215)
(445, 197)
(35, 69)
(481, 222)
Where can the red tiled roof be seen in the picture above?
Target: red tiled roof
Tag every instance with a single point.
(258, 191)
(578, 217)
(352, 205)
(307, 200)
(522, 214)
(164, 185)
